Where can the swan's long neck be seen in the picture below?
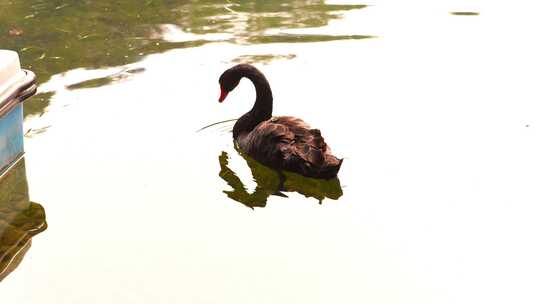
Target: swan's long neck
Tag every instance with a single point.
(262, 109)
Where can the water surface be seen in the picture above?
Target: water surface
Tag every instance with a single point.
(436, 115)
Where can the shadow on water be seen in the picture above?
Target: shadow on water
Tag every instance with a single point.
(271, 182)
(56, 36)
(463, 13)
(262, 59)
(20, 219)
(97, 82)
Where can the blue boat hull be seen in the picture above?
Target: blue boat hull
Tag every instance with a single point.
(11, 137)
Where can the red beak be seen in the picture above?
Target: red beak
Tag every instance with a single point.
(223, 95)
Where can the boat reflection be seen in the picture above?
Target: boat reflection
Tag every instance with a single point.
(271, 182)
(20, 219)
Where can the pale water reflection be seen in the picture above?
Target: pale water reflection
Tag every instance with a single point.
(437, 118)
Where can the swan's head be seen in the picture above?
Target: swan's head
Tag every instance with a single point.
(228, 81)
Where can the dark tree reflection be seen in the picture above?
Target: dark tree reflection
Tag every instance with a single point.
(55, 36)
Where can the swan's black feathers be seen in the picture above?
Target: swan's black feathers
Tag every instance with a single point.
(289, 143)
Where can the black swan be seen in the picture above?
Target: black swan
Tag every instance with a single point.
(284, 143)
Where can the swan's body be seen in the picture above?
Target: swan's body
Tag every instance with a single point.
(283, 143)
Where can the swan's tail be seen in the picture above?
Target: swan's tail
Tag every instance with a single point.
(309, 155)
(331, 167)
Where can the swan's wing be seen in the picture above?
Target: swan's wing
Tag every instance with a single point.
(266, 142)
(287, 142)
(308, 143)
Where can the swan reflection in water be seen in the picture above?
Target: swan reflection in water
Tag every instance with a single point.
(20, 219)
(271, 182)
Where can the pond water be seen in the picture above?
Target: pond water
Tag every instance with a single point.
(433, 105)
